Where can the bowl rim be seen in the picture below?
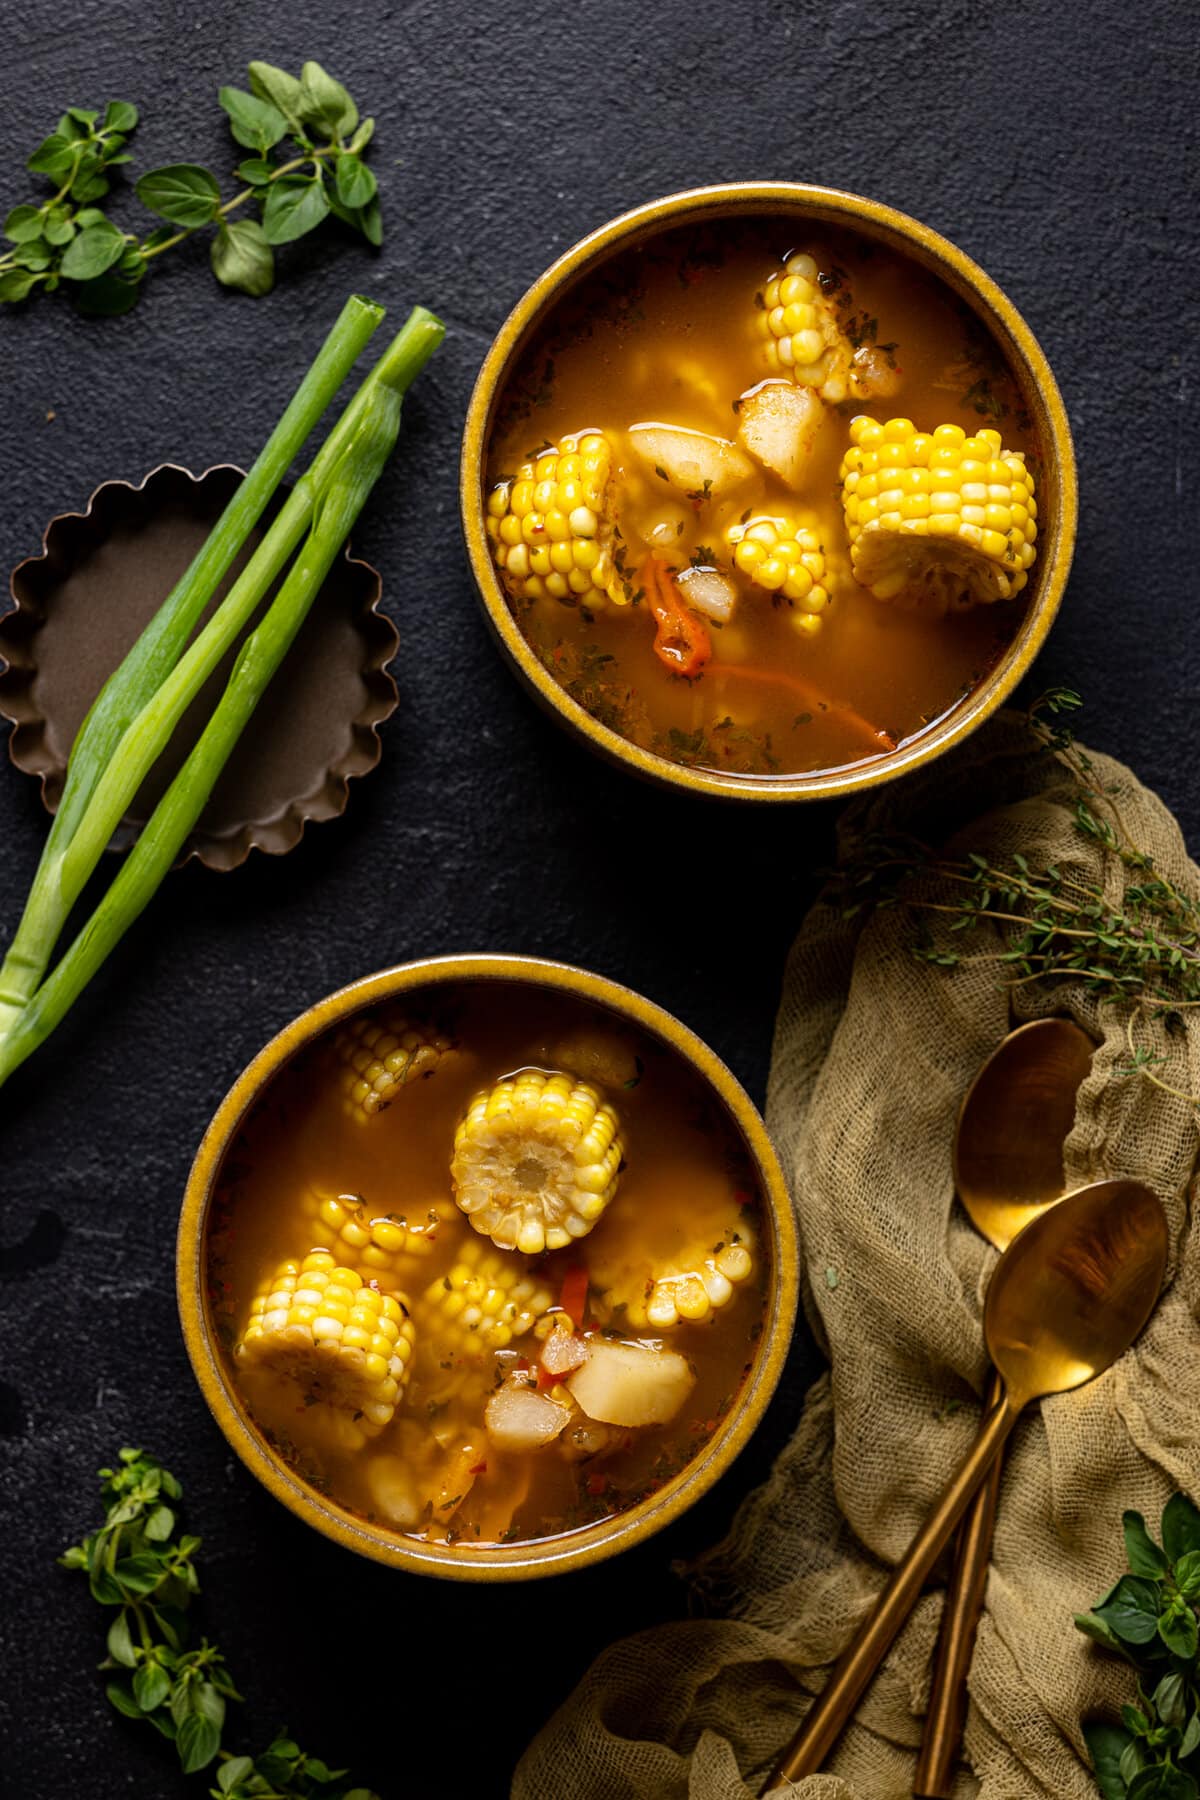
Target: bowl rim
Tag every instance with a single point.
(907, 235)
(538, 1557)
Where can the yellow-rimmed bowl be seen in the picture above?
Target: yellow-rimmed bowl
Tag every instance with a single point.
(544, 1556)
(809, 206)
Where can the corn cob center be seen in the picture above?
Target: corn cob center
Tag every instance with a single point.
(536, 1160)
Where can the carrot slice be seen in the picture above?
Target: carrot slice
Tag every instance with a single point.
(573, 1298)
(811, 697)
(681, 641)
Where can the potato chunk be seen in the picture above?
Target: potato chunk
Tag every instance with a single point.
(699, 465)
(709, 592)
(780, 425)
(518, 1418)
(631, 1384)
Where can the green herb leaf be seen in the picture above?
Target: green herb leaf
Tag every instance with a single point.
(89, 187)
(82, 116)
(1170, 1699)
(1180, 1527)
(277, 86)
(1162, 1781)
(362, 137)
(256, 171)
(1145, 1557)
(1190, 1740)
(17, 284)
(1101, 1633)
(1131, 1609)
(151, 1685)
(120, 1643)
(325, 103)
(242, 258)
(1187, 1574)
(23, 224)
(256, 123)
(1178, 1629)
(123, 1700)
(233, 1771)
(356, 185)
(120, 115)
(59, 227)
(160, 1522)
(198, 1742)
(138, 1574)
(92, 252)
(293, 207)
(185, 193)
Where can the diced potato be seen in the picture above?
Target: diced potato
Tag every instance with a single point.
(394, 1490)
(780, 425)
(518, 1418)
(631, 1384)
(563, 1350)
(701, 466)
(709, 592)
(873, 374)
(595, 1054)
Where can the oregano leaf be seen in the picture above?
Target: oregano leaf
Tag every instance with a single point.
(120, 115)
(1180, 1527)
(185, 193)
(292, 209)
(198, 1742)
(325, 103)
(277, 86)
(356, 185)
(242, 258)
(1144, 1555)
(92, 252)
(23, 224)
(256, 123)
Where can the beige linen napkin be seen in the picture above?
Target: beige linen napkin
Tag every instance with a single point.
(873, 1052)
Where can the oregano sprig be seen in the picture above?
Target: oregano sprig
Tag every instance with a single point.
(1150, 1619)
(140, 1564)
(306, 142)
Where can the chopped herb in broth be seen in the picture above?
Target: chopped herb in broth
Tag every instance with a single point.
(488, 1267)
(672, 478)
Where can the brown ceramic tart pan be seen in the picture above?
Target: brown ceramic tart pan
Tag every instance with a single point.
(101, 575)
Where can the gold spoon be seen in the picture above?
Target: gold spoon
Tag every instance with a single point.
(1008, 1168)
(1066, 1299)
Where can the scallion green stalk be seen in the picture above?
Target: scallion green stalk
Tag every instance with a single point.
(159, 647)
(360, 457)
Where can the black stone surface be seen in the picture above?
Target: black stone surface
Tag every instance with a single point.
(1054, 144)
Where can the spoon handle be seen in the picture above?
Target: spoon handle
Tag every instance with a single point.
(829, 1712)
(937, 1763)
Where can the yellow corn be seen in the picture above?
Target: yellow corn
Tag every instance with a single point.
(347, 1344)
(662, 1272)
(800, 333)
(536, 1160)
(552, 529)
(939, 520)
(785, 557)
(383, 1247)
(486, 1300)
(380, 1053)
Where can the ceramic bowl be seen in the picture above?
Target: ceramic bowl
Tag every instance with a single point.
(810, 207)
(509, 1561)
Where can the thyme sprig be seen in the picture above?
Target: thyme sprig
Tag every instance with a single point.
(1139, 949)
(139, 1563)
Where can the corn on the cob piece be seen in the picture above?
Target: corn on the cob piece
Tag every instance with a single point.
(379, 1053)
(384, 1247)
(551, 526)
(485, 1301)
(678, 1269)
(536, 1160)
(937, 520)
(786, 557)
(800, 333)
(347, 1343)
(596, 1054)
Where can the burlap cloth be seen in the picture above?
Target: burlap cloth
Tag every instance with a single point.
(873, 1051)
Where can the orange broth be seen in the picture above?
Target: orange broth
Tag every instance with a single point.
(432, 1472)
(666, 332)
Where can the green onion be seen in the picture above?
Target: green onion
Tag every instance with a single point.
(160, 646)
(346, 470)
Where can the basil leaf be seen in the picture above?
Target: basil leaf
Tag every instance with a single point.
(242, 258)
(277, 86)
(292, 208)
(254, 122)
(1131, 1610)
(1162, 1781)
(1170, 1700)
(1178, 1629)
(182, 192)
(324, 102)
(356, 186)
(22, 224)
(1105, 1746)
(87, 256)
(1145, 1557)
(120, 115)
(16, 284)
(198, 1741)
(151, 1685)
(1180, 1527)
(1187, 1573)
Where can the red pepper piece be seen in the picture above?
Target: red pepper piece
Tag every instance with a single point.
(682, 641)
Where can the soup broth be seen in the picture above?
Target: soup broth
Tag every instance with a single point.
(493, 1335)
(672, 332)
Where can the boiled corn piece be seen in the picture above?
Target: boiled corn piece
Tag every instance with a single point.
(787, 558)
(660, 1275)
(379, 1054)
(552, 529)
(798, 327)
(346, 1343)
(536, 1160)
(486, 1300)
(382, 1247)
(938, 520)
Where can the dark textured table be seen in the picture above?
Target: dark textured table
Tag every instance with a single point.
(1054, 145)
